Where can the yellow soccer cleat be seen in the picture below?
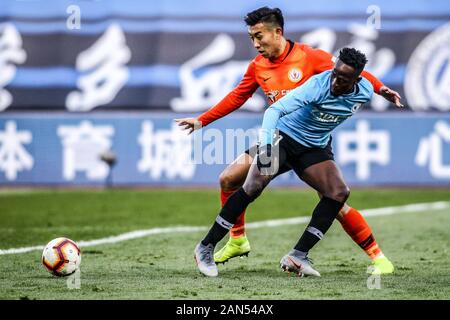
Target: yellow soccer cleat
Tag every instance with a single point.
(235, 247)
(381, 266)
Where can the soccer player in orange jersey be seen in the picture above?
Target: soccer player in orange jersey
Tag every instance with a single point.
(280, 66)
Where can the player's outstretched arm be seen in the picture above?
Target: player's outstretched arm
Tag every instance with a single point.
(234, 100)
(384, 91)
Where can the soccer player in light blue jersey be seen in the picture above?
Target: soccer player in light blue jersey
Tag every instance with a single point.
(296, 131)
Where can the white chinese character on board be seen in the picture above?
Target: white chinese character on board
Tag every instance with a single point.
(430, 151)
(13, 156)
(104, 71)
(165, 152)
(363, 147)
(11, 53)
(82, 149)
(218, 76)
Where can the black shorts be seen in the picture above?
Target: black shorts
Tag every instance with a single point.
(297, 157)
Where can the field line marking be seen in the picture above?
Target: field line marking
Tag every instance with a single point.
(417, 207)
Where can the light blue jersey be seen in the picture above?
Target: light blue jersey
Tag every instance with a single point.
(310, 112)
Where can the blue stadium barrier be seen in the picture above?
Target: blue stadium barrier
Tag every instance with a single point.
(64, 149)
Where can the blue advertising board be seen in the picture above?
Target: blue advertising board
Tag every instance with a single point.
(65, 149)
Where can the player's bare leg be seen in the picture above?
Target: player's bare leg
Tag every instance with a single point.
(234, 175)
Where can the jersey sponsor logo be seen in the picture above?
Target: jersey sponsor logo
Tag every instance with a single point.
(326, 117)
(295, 75)
(272, 95)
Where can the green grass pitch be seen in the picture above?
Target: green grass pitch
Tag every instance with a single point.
(161, 266)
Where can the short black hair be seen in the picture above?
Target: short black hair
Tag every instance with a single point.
(265, 15)
(353, 58)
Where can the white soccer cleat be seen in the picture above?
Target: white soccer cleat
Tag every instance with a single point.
(204, 256)
(302, 267)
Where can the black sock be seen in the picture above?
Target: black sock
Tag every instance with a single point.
(235, 204)
(215, 234)
(321, 220)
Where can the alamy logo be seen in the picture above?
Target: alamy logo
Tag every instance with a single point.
(11, 53)
(104, 71)
(374, 280)
(74, 280)
(73, 22)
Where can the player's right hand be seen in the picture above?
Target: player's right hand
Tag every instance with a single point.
(190, 124)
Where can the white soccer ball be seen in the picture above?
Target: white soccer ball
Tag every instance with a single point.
(61, 257)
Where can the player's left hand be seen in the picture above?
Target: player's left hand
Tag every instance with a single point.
(391, 95)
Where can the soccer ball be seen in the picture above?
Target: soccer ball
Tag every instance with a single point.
(61, 257)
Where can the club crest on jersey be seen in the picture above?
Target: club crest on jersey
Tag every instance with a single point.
(272, 95)
(356, 106)
(295, 75)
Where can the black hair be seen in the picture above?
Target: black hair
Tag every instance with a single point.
(265, 15)
(353, 58)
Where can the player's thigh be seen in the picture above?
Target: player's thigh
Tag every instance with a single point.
(326, 178)
(316, 166)
(256, 181)
(234, 175)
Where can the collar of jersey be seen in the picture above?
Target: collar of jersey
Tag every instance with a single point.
(287, 50)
